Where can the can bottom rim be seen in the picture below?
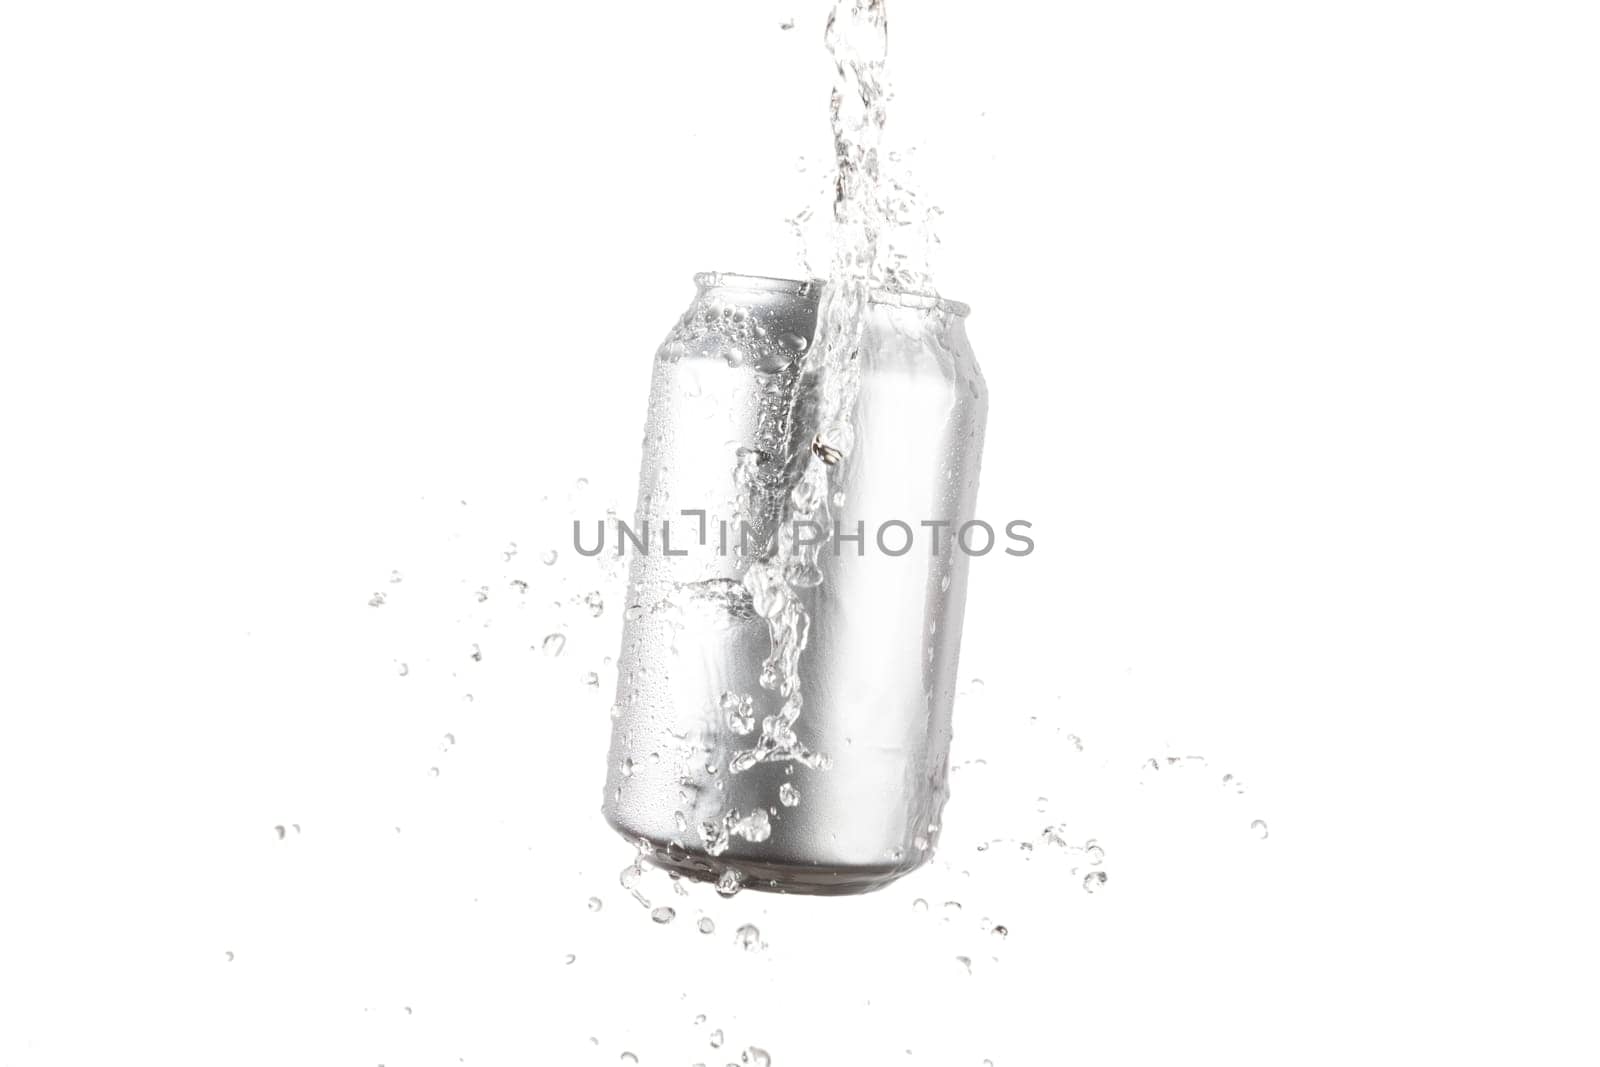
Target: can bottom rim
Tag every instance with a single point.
(769, 875)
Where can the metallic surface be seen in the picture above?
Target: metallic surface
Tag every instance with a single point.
(878, 672)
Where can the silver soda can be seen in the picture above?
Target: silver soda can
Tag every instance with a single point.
(725, 435)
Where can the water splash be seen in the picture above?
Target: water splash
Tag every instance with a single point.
(858, 41)
(739, 710)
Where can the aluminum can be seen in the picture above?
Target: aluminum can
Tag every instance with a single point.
(725, 433)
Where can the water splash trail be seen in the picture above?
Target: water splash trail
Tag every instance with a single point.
(857, 38)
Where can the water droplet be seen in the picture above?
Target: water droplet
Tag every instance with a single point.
(553, 644)
(706, 926)
(581, 484)
(629, 879)
(433, 772)
(977, 683)
(592, 679)
(377, 600)
(716, 1039)
(1000, 931)
(951, 907)
(229, 955)
(756, 1057)
(595, 904)
(919, 905)
(1259, 828)
(449, 739)
(395, 577)
(1095, 854)
(788, 795)
(794, 343)
(571, 959)
(1230, 782)
(627, 767)
(748, 937)
(280, 831)
(966, 962)
(1075, 741)
(755, 827)
(628, 1057)
(1152, 765)
(483, 593)
(1093, 881)
(520, 586)
(663, 915)
(477, 654)
(549, 558)
(739, 712)
(404, 670)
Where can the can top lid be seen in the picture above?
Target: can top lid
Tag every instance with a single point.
(728, 280)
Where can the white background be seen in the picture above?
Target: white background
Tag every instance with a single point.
(1289, 317)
